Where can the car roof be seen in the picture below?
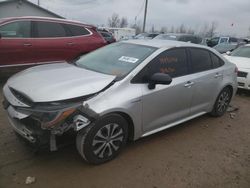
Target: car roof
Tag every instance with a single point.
(159, 43)
(44, 19)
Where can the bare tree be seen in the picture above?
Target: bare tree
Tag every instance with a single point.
(137, 27)
(204, 30)
(153, 29)
(114, 20)
(124, 22)
(172, 29)
(212, 29)
(164, 30)
(182, 29)
(190, 31)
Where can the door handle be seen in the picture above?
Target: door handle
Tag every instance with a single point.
(70, 43)
(189, 84)
(218, 75)
(27, 44)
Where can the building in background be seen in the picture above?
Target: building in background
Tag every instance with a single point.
(16, 8)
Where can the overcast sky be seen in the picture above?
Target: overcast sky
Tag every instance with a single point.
(161, 13)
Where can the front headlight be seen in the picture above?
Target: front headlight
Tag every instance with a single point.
(50, 120)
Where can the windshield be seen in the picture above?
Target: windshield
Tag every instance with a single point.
(141, 35)
(166, 37)
(242, 52)
(117, 59)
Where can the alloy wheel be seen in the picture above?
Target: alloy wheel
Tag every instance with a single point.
(107, 140)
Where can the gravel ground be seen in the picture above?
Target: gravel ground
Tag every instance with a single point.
(205, 152)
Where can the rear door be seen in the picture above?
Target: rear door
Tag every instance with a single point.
(53, 42)
(166, 103)
(84, 39)
(207, 79)
(16, 44)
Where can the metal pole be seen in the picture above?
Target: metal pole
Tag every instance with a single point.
(145, 16)
(38, 2)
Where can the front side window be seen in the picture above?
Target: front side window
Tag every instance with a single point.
(242, 52)
(50, 30)
(223, 40)
(117, 59)
(200, 59)
(19, 29)
(172, 62)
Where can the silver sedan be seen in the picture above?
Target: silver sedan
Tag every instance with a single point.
(121, 92)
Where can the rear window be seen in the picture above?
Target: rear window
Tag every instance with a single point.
(50, 30)
(233, 40)
(105, 34)
(76, 30)
(217, 62)
(201, 60)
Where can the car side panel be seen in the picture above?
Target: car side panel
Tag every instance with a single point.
(121, 97)
(207, 85)
(16, 51)
(166, 103)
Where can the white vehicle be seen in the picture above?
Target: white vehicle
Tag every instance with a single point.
(241, 58)
(121, 33)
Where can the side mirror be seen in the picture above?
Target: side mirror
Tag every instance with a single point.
(228, 53)
(159, 78)
(0, 36)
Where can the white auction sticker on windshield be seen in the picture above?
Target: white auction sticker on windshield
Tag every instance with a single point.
(128, 59)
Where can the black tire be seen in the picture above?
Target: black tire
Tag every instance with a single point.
(222, 102)
(103, 140)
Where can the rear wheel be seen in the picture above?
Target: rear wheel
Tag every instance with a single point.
(222, 102)
(103, 141)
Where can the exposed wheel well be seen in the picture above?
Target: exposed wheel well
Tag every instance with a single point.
(130, 124)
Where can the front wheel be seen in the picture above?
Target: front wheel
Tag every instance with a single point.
(222, 102)
(102, 141)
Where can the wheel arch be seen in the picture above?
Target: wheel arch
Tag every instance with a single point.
(129, 120)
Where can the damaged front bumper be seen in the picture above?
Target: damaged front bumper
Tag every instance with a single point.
(42, 127)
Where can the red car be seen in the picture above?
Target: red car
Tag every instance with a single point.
(28, 41)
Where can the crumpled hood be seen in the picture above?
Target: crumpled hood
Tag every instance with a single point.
(56, 82)
(240, 62)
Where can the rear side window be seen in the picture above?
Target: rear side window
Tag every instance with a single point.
(200, 59)
(217, 62)
(172, 62)
(19, 29)
(50, 30)
(77, 30)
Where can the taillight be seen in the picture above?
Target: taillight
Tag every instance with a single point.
(236, 70)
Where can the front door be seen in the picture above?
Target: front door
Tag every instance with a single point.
(166, 104)
(16, 44)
